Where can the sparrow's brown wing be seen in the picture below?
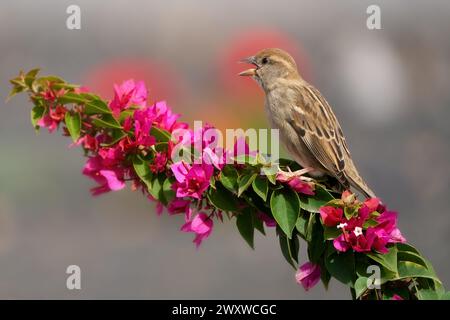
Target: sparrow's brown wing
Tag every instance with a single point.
(320, 131)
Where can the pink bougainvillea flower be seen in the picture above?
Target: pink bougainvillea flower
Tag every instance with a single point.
(341, 244)
(106, 169)
(215, 157)
(111, 156)
(331, 216)
(269, 222)
(374, 238)
(369, 206)
(82, 89)
(301, 186)
(108, 179)
(396, 236)
(52, 119)
(89, 142)
(372, 204)
(365, 242)
(396, 297)
(387, 222)
(159, 208)
(159, 162)
(346, 194)
(180, 206)
(308, 275)
(114, 179)
(165, 118)
(192, 180)
(358, 237)
(349, 198)
(207, 146)
(50, 94)
(240, 148)
(296, 183)
(47, 122)
(201, 225)
(142, 125)
(127, 94)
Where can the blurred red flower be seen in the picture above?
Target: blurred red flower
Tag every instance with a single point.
(163, 81)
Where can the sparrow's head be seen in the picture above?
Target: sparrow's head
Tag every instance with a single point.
(271, 66)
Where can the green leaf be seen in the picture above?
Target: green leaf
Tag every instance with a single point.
(362, 263)
(96, 107)
(167, 191)
(36, 114)
(258, 223)
(427, 294)
(445, 296)
(244, 223)
(285, 207)
(156, 189)
(30, 76)
(71, 97)
(387, 260)
(289, 249)
(73, 124)
(143, 171)
(302, 224)
(370, 223)
(341, 265)
(229, 178)
(313, 203)
(107, 121)
(310, 226)
(15, 90)
(116, 137)
(222, 199)
(32, 73)
(212, 182)
(161, 135)
(52, 79)
(294, 247)
(270, 176)
(161, 146)
(407, 269)
(360, 286)
(407, 247)
(330, 233)
(350, 212)
(125, 114)
(261, 187)
(325, 276)
(245, 181)
(412, 257)
(316, 246)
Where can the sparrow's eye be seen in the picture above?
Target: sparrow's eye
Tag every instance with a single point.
(265, 60)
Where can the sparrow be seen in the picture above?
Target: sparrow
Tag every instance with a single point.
(307, 126)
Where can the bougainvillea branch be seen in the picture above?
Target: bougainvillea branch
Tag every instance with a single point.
(129, 140)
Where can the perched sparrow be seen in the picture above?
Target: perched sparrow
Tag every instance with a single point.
(308, 127)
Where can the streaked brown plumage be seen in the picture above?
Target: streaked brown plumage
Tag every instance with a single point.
(308, 127)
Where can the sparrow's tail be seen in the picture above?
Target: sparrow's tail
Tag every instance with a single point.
(355, 180)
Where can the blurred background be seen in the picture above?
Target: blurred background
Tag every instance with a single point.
(388, 87)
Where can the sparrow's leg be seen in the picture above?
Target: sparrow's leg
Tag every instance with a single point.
(298, 173)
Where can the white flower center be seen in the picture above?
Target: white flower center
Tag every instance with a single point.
(358, 231)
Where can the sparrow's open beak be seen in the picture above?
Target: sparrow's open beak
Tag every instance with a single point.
(249, 72)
